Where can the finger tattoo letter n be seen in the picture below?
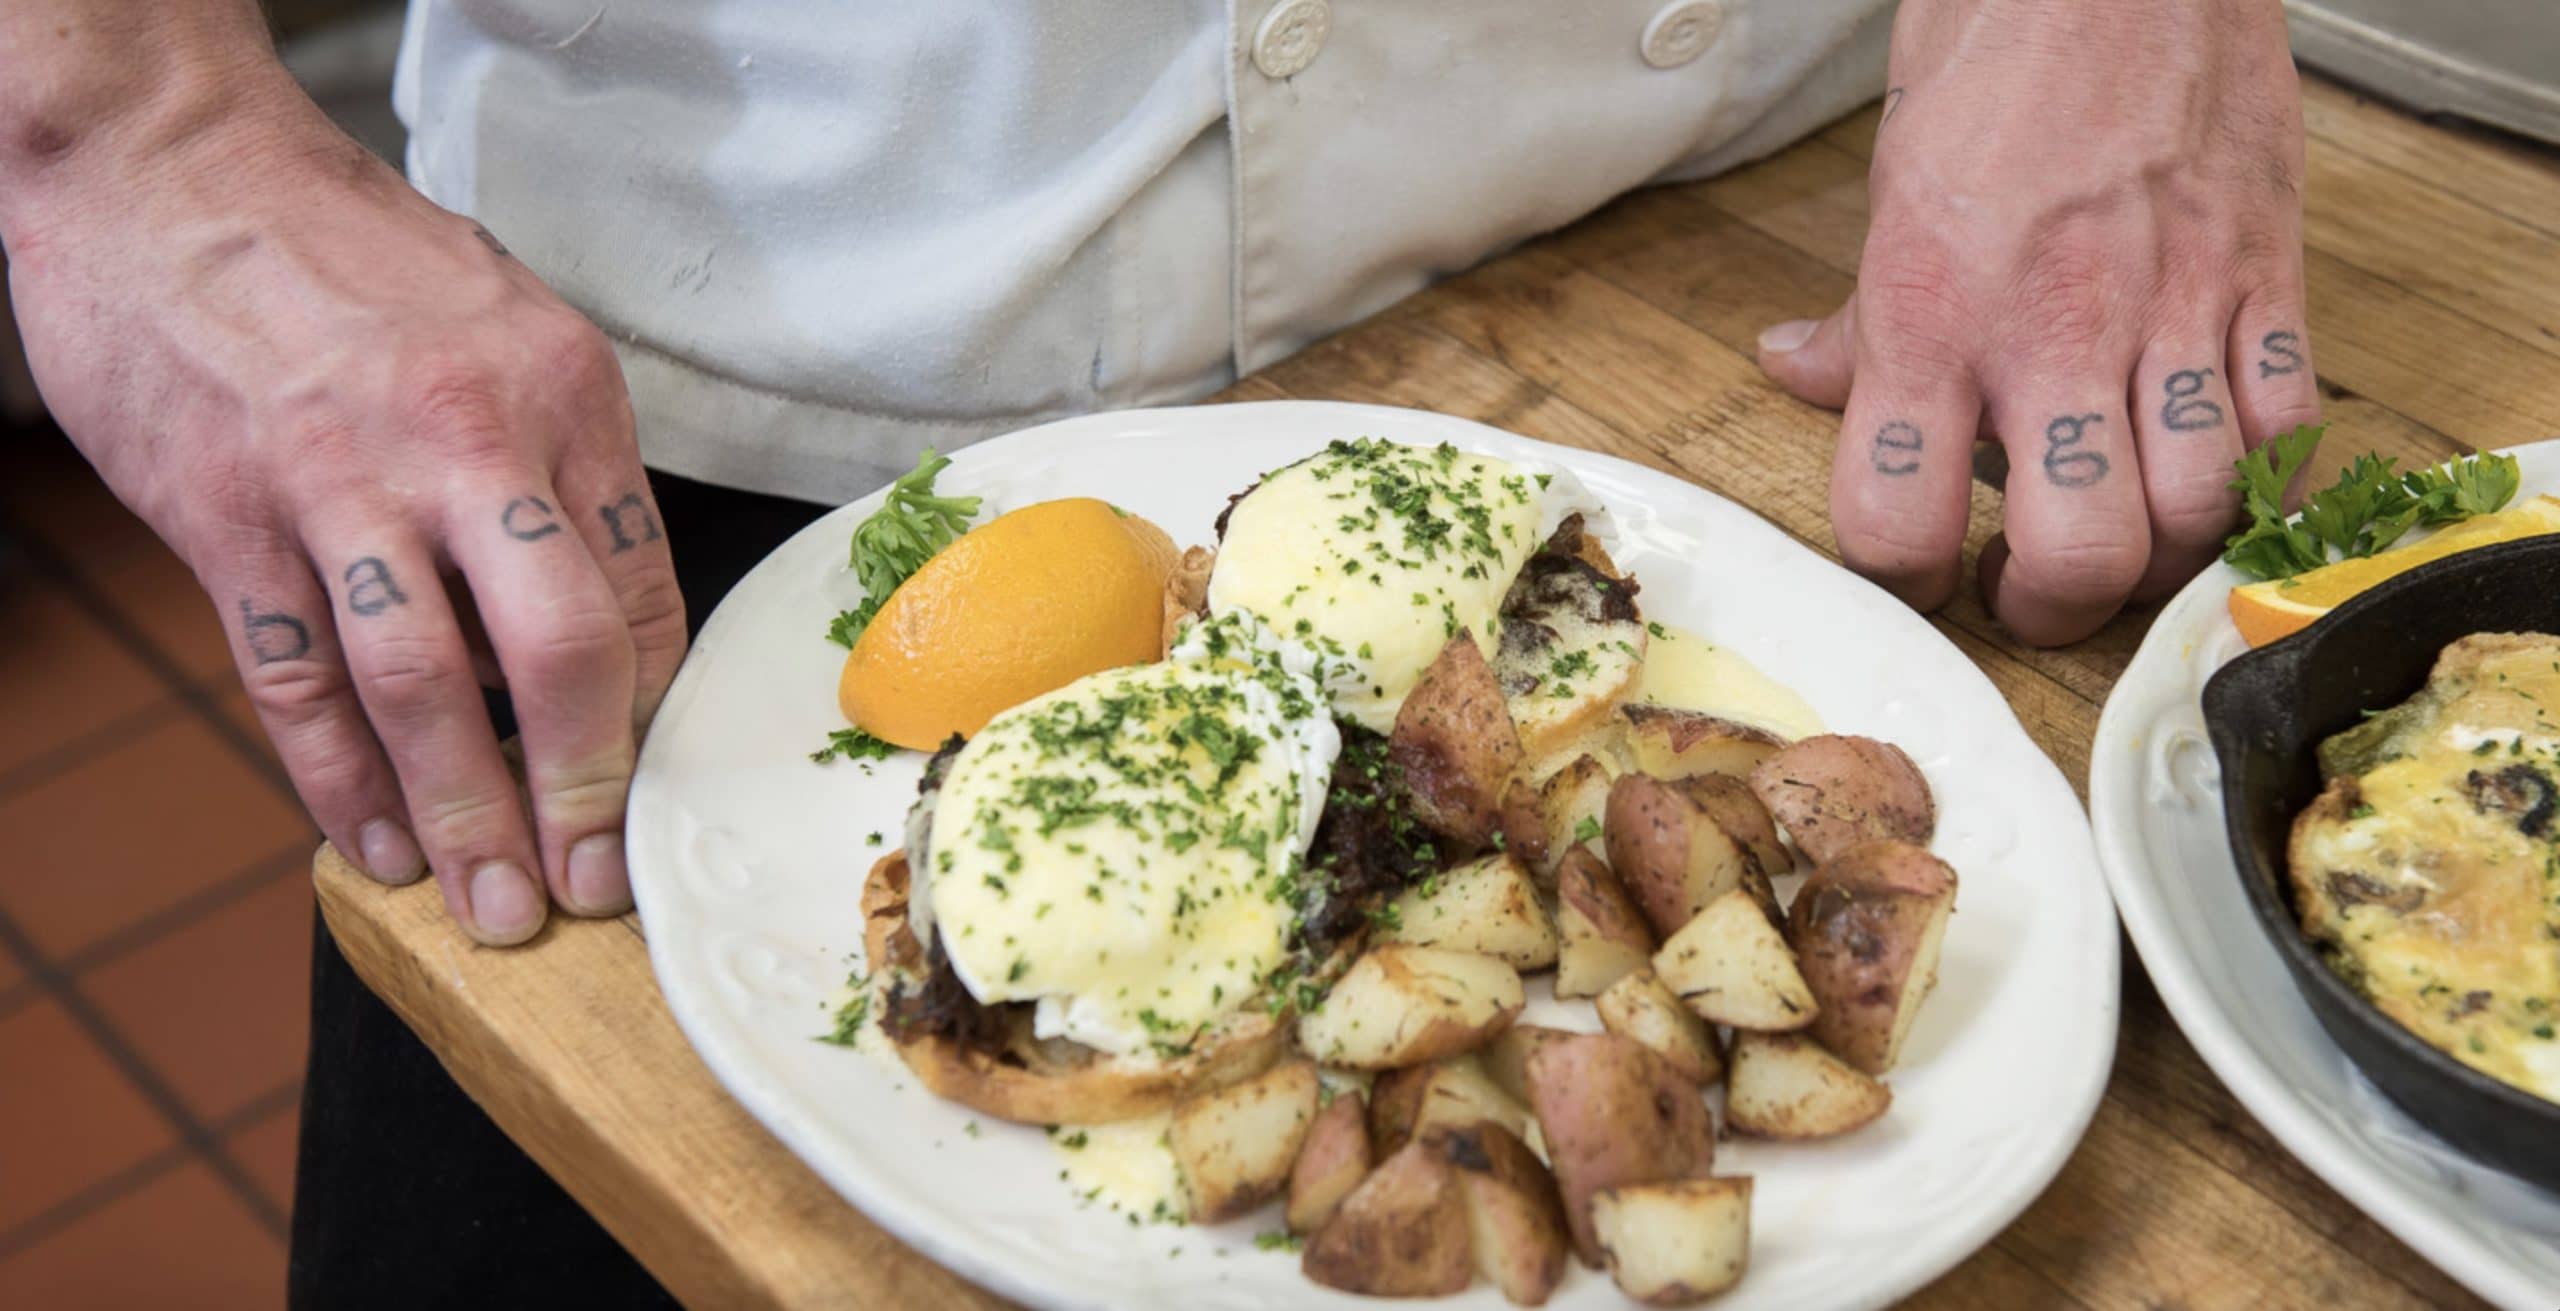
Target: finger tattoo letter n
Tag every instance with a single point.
(2284, 355)
(528, 519)
(626, 515)
(1897, 449)
(2065, 464)
(2186, 410)
(370, 587)
(272, 635)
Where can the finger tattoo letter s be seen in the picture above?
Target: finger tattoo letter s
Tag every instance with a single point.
(272, 635)
(2186, 410)
(2284, 355)
(2065, 463)
(1897, 449)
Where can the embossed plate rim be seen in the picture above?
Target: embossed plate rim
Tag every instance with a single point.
(2007, 1065)
(2229, 992)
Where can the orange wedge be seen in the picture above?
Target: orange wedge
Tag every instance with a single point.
(2282, 607)
(1026, 603)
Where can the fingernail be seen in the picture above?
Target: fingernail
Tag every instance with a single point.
(1784, 337)
(390, 855)
(598, 883)
(506, 906)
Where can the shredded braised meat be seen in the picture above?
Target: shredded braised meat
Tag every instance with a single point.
(1368, 846)
(941, 1007)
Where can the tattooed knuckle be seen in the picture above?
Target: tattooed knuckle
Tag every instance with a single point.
(597, 787)
(576, 647)
(407, 680)
(456, 408)
(294, 693)
(653, 607)
(466, 820)
(1894, 546)
(1911, 324)
(577, 355)
(2065, 302)
(2199, 512)
(2090, 567)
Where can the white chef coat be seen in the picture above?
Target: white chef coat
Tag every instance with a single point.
(824, 234)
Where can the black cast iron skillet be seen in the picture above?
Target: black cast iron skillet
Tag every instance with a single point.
(2267, 713)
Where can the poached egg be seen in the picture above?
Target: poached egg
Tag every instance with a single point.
(1378, 554)
(1121, 852)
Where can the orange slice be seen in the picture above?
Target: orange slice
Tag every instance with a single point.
(2285, 606)
(1023, 604)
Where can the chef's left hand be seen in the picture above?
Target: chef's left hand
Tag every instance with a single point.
(2086, 240)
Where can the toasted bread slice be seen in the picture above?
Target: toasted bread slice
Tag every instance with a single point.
(1034, 1081)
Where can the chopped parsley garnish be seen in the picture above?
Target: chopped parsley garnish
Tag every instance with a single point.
(909, 527)
(852, 744)
(1585, 829)
(851, 1015)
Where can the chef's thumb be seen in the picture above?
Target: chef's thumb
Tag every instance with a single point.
(1815, 360)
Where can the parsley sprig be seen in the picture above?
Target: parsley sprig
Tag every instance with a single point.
(2370, 507)
(895, 541)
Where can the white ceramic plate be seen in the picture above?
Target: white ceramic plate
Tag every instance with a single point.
(747, 861)
(2155, 793)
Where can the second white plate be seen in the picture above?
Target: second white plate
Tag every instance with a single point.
(2155, 796)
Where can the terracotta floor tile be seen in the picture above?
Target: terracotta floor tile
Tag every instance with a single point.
(155, 592)
(219, 1008)
(182, 1240)
(134, 830)
(68, 1118)
(61, 675)
(47, 489)
(265, 1147)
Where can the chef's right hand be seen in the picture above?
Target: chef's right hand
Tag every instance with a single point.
(392, 457)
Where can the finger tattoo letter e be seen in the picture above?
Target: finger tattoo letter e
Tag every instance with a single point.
(1897, 449)
(2065, 464)
(625, 515)
(2186, 410)
(272, 635)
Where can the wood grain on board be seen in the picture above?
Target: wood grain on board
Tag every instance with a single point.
(2433, 260)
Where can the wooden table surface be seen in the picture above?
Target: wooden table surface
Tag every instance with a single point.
(2434, 261)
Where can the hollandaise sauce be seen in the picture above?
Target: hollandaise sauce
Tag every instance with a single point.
(1687, 672)
(1120, 851)
(1127, 1166)
(1379, 554)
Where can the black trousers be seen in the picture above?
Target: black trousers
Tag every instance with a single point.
(405, 1194)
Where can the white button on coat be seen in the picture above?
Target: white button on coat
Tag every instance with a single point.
(1290, 37)
(1682, 32)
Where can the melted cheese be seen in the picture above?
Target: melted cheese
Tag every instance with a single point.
(1118, 851)
(1380, 554)
(1127, 1166)
(1687, 672)
(2436, 899)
